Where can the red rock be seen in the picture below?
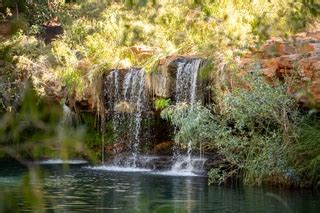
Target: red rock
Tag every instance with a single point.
(279, 58)
(315, 89)
(139, 49)
(305, 48)
(315, 35)
(316, 46)
(310, 93)
(307, 74)
(272, 63)
(282, 72)
(316, 65)
(300, 35)
(289, 61)
(269, 72)
(305, 63)
(246, 62)
(275, 49)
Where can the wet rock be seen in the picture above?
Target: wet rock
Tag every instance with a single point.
(160, 163)
(118, 148)
(164, 148)
(162, 81)
(214, 161)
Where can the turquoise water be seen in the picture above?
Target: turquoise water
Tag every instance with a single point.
(80, 189)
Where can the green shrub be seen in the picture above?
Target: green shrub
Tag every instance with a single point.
(261, 107)
(252, 133)
(161, 103)
(93, 138)
(38, 11)
(35, 131)
(305, 153)
(194, 123)
(21, 4)
(20, 24)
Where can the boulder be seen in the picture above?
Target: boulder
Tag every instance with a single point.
(276, 48)
(164, 148)
(114, 149)
(298, 57)
(315, 35)
(303, 48)
(289, 61)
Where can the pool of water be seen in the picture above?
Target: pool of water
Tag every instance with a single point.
(83, 189)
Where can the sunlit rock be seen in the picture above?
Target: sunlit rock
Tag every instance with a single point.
(298, 59)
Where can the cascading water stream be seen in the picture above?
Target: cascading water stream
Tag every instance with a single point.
(68, 116)
(186, 91)
(126, 103)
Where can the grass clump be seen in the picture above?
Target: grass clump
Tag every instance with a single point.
(305, 153)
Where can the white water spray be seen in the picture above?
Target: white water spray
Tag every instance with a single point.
(186, 91)
(127, 102)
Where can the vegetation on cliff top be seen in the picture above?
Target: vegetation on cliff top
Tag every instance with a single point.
(99, 35)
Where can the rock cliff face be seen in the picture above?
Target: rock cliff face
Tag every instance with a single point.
(130, 95)
(174, 78)
(296, 61)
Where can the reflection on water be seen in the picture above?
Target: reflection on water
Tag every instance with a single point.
(85, 190)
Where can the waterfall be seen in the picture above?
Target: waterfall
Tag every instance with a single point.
(186, 81)
(68, 117)
(186, 91)
(127, 103)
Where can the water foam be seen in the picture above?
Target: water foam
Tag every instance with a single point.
(60, 161)
(118, 169)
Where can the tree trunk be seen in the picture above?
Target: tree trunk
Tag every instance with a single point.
(17, 10)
